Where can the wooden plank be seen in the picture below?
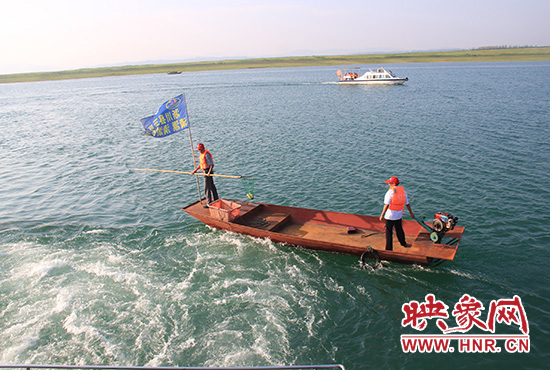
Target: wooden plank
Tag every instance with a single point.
(247, 209)
(278, 220)
(266, 220)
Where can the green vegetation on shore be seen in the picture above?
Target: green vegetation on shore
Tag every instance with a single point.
(477, 55)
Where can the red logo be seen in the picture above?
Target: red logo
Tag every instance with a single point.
(467, 313)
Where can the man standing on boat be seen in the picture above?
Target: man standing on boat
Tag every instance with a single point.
(395, 201)
(206, 164)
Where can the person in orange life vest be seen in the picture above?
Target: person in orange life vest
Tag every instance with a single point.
(395, 201)
(206, 164)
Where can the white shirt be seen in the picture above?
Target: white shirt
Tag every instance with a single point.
(393, 215)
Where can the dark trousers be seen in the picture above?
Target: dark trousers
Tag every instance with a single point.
(210, 191)
(390, 224)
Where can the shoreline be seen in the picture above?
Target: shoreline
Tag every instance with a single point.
(477, 55)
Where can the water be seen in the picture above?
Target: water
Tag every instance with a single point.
(99, 265)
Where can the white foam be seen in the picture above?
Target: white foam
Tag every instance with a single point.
(464, 274)
(79, 327)
(331, 284)
(120, 276)
(43, 268)
(11, 354)
(96, 231)
(62, 300)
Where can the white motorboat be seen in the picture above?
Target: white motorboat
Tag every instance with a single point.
(380, 76)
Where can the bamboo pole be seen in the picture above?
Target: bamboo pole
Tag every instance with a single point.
(187, 173)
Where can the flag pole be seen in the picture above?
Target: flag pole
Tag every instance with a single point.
(192, 149)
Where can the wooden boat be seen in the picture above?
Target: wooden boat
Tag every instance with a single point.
(328, 231)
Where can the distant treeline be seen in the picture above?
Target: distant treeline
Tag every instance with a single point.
(507, 47)
(494, 54)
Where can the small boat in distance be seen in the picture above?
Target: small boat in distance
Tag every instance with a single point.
(380, 76)
(174, 72)
(328, 231)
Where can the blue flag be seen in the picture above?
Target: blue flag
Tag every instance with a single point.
(170, 118)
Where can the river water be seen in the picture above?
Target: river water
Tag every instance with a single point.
(99, 265)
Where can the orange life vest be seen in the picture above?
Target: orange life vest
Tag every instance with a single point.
(202, 159)
(398, 199)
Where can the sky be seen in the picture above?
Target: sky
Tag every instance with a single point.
(52, 35)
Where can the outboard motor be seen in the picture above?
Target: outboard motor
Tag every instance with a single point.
(442, 223)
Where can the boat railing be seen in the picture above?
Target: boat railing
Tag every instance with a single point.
(77, 367)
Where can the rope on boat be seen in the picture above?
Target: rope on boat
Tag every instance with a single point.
(370, 253)
(371, 234)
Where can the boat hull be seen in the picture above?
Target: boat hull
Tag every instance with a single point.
(331, 231)
(395, 81)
